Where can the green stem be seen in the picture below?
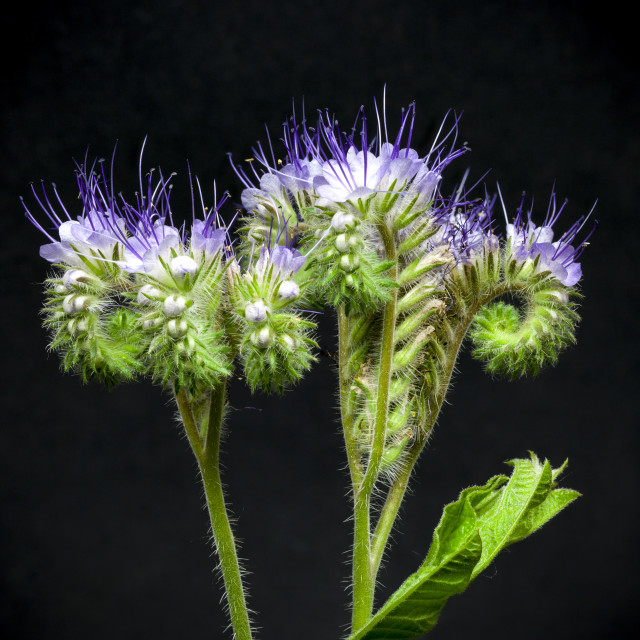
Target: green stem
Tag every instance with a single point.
(363, 577)
(351, 446)
(207, 453)
(398, 489)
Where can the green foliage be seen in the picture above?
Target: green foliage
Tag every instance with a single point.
(472, 531)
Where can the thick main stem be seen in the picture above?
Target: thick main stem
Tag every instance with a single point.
(364, 579)
(207, 452)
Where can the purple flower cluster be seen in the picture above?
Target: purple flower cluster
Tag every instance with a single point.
(327, 167)
(465, 226)
(325, 170)
(284, 260)
(527, 241)
(111, 230)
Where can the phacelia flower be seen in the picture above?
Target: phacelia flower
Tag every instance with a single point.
(465, 228)
(94, 236)
(529, 242)
(329, 168)
(283, 260)
(136, 237)
(351, 169)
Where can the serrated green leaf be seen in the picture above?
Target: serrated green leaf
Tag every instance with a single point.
(414, 608)
(528, 488)
(472, 531)
(555, 502)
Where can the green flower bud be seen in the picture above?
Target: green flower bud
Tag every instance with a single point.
(392, 454)
(77, 326)
(289, 342)
(349, 263)
(185, 347)
(408, 354)
(152, 323)
(342, 243)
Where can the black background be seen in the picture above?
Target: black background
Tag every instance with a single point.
(103, 530)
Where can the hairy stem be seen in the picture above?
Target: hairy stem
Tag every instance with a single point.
(351, 446)
(363, 578)
(207, 452)
(398, 489)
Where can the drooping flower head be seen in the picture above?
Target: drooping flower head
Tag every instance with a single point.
(527, 241)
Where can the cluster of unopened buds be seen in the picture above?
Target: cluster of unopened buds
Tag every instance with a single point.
(353, 221)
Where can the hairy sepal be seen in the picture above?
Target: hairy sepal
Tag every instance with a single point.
(472, 531)
(275, 343)
(184, 343)
(514, 342)
(94, 337)
(357, 280)
(284, 360)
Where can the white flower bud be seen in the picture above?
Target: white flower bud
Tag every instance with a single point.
(289, 290)
(177, 328)
(60, 288)
(289, 342)
(75, 304)
(174, 306)
(75, 278)
(153, 323)
(349, 263)
(342, 243)
(256, 311)
(182, 266)
(262, 338)
(147, 292)
(342, 221)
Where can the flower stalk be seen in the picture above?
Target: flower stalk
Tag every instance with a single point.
(205, 444)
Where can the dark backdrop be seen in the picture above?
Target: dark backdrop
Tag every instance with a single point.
(103, 531)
